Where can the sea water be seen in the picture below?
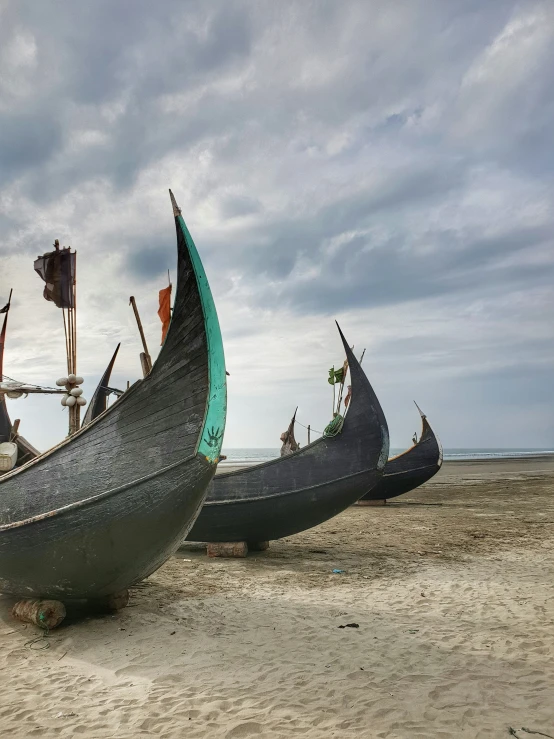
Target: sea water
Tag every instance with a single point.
(245, 457)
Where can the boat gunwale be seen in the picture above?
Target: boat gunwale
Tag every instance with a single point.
(99, 496)
(414, 469)
(271, 496)
(245, 470)
(424, 421)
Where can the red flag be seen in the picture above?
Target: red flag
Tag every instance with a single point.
(348, 397)
(164, 310)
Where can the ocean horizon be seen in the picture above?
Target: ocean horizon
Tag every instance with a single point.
(256, 455)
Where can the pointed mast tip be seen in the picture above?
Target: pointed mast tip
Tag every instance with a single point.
(421, 413)
(176, 209)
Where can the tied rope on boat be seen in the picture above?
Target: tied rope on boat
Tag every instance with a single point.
(335, 427)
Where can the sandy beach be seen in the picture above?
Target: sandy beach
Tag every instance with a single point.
(450, 588)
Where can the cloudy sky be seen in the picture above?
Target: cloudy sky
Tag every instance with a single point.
(388, 165)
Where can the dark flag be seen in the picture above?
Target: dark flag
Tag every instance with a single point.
(57, 269)
(5, 309)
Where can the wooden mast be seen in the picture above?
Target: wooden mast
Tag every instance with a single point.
(74, 410)
(70, 330)
(145, 359)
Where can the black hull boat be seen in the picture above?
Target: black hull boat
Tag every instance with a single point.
(410, 469)
(296, 492)
(108, 506)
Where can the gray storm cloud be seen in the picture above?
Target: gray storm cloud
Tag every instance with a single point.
(387, 164)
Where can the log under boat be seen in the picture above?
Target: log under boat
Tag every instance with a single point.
(410, 469)
(298, 491)
(109, 505)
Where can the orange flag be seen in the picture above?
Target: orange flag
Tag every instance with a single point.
(164, 310)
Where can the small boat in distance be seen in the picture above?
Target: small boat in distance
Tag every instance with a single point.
(107, 506)
(412, 468)
(99, 400)
(300, 490)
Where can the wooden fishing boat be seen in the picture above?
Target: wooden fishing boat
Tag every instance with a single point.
(109, 505)
(298, 491)
(410, 469)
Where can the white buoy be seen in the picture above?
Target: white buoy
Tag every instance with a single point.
(76, 391)
(14, 394)
(61, 382)
(79, 380)
(63, 401)
(71, 400)
(81, 400)
(72, 379)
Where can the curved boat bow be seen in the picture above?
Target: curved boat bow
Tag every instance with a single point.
(412, 468)
(305, 488)
(109, 505)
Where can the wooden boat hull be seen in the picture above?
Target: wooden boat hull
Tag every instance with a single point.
(109, 505)
(80, 550)
(411, 469)
(299, 491)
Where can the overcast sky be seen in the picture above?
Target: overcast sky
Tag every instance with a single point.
(385, 164)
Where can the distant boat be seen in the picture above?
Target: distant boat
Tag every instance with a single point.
(106, 507)
(293, 493)
(412, 468)
(99, 401)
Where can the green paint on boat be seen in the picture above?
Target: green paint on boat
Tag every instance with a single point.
(211, 438)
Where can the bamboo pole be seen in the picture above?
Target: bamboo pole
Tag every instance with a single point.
(76, 406)
(147, 362)
(333, 414)
(66, 339)
(74, 410)
(309, 426)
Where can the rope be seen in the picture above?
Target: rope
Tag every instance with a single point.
(311, 427)
(28, 384)
(335, 427)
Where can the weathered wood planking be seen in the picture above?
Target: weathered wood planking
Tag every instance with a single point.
(108, 506)
(410, 469)
(294, 493)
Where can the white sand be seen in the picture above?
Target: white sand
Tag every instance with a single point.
(455, 606)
